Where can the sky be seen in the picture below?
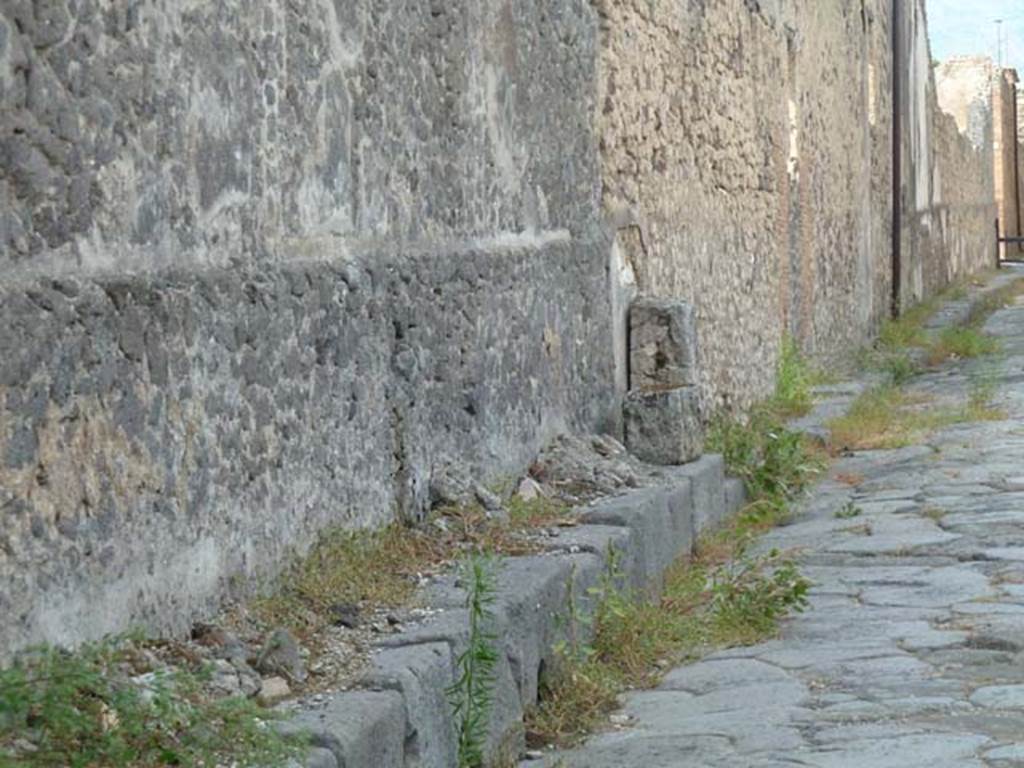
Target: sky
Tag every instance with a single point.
(967, 27)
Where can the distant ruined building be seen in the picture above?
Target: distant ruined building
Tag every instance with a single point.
(269, 267)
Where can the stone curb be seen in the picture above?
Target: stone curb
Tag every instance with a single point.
(402, 718)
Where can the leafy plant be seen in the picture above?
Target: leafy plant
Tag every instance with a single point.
(471, 695)
(794, 379)
(87, 708)
(751, 594)
(774, 462)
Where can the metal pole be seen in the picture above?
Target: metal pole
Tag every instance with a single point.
(998, 244)
(897, 154)
(1015, 138)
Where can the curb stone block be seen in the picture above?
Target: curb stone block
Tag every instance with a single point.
(735, 495)
(649, 513)
(359, 728)
(707, 476)
(506, 732)
(422, 674)
(533, 592)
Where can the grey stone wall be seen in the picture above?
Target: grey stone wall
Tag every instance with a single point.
(266, 267)
(147, 135)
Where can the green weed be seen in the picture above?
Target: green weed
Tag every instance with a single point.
(85, 709)
(794, 379)
(774, 462)
(471, 695)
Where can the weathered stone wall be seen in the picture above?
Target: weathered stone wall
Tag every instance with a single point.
(1019, 249)
(750, 145)
(269, 265)
(947, 186)
(951, 228)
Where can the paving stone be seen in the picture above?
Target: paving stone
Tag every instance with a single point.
(999, 697)
(706, 676)
(1008, 752)
(932, 750)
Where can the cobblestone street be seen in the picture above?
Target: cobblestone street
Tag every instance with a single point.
(911, 652)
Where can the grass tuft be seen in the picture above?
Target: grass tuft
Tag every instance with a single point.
(368, 567)
(794, 379)
(960, 342)
(85, 709)
(886, 417)
(724, 597)
(380, 569)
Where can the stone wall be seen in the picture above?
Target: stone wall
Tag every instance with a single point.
(267, 266)
(270, 265)
(957, 220)
(751, 145)
(947, 188)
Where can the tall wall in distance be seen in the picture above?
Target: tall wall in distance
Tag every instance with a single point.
(947, 182)
(268, 267)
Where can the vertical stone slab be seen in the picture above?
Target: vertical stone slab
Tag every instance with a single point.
(662, 344)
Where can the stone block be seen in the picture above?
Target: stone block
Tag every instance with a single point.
(662, 344)
(658, 537)
(422, 674)
(708, 484)
(532, 601)
(664, 427)
(321, 758)
(735, 495)
(359, 728)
